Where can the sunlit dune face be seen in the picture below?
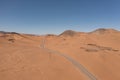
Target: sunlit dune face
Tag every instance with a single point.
(60, 57)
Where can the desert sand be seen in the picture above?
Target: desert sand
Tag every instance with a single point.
(71, 55)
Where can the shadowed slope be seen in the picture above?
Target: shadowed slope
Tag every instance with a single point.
(68, 33)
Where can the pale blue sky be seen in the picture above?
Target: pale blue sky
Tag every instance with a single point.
(55, 16)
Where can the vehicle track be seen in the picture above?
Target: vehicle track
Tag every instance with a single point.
(79, 66)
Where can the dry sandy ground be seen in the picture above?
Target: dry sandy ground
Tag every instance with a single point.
(25, 57)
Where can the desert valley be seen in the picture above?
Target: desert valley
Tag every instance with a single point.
(70, 55)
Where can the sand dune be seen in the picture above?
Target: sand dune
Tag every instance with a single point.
(69, 56)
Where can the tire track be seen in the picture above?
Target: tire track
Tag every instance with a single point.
(79, 66)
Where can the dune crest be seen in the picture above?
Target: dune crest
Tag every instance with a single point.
(68, 33)
(104, 31)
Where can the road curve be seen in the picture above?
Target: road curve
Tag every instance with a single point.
(79, 66)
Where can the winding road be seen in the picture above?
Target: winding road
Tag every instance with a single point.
(79, 66)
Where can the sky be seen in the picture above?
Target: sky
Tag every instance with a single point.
(56, 16)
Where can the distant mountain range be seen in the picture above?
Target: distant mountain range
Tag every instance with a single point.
(72, 33)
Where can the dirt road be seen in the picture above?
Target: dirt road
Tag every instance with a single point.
(79, 66)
